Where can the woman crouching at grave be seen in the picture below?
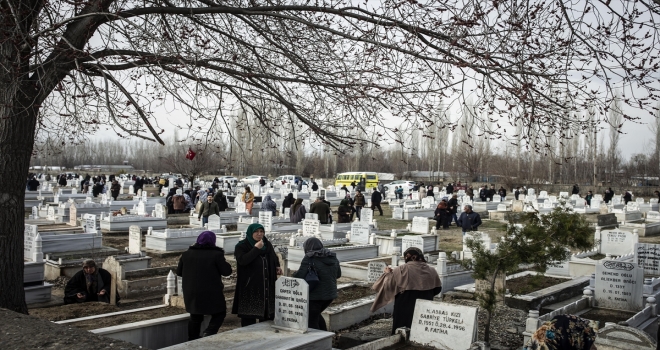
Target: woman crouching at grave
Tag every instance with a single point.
(256, 272)
(90, 284)
(326, 265)
(298, 211)
(202, 267)
(248, 199)
(403, 285)
(269, 205)
(344, 212)
(564, 332)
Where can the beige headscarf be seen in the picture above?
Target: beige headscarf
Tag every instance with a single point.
(413, 275)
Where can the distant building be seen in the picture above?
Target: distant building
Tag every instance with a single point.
(105, 167)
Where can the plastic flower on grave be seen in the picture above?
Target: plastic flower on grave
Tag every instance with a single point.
(550, 334)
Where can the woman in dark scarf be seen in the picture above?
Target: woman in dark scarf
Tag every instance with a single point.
(256, 271)
(344, 211)
(90, 284)
(327, 267)
(268, 205)
(298, 211)
(563, 332)
(288, 201)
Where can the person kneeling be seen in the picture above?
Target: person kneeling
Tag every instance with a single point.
(90, 284)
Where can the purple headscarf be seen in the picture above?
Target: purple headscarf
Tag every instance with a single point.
(206, 238)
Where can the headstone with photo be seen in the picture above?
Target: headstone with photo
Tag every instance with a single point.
(375, 269)
(360, 232)
(443, 325)
(412, 241)
(619, 285)
(420, 225)
(134, 239)
(291, 304)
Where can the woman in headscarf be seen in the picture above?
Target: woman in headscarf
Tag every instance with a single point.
(268, 205)
(564, 332)
(202, 267)
(344, 211)
(189, 203)
(441, 215)
(298, 211)
(327, 267)
(90, 284)
(404, 285)
(288, 201)
(248, 199)
(256, 272)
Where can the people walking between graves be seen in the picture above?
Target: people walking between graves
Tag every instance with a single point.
(139, 183)
(329, 206)
(516, 193)
(564, 332)
(161, 184)
(179, 202)
(453, 209)
(502, 193)
(376, 198)
(288, 201)
(315, 186)
(248, 199)
(33, 184)
(344, 212)
(268, 205)
(490, 193)
(221, 199)
(404, 285)
(359, 202)
(202, 267)
(297, 212)
(328, 270)
(441, 215)
(482, 193)
(97, 189)
(262, 182)
(588, 198)
(351, 203)
(450, 189)
(576, 189)
(470, 193)
(627, 197)
(114, 189)
(429, 192)
(256, 272)
(189, 202)
(92, 283)
(608, 195)
(208, 208)
(344, 188)
(353, 185)
(62, 180)
(469, 220)
(321, 209)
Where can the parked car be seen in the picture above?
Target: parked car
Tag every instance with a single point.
(231, 179)
(406, 184)
(253, 179)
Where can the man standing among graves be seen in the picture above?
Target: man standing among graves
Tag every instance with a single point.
(90, 284)
(453, 209)
(469, 220)
(627, 197)
(315, 186)
(376, 198)
(221, 199)
(262, 182)
(359, 202)
(202, 267)
(33, 184)
(208, 208)
(450, 188)
(588, 198)
(576, 189)
(608, 195)
(482, 193)
(321, 209)
(404, 285)
(502, 193)
(114, 189)
(62, 180)
(516, 194)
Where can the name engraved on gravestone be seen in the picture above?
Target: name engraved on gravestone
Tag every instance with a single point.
(134, 239)
(617, 242)
(266, 220)
(291, 304)
(366, 215)
(310, 227)
(89, 223)
(29, 234)
(443, 325)
(397, 213)
(312, 216)
(619, 285)
(241, 208)
(647, 256)
(360, 232)
(160, 211)
(653, 216)
(375, 269)
(420, 225)
(412, 241)
(35, 212)
(73, 213)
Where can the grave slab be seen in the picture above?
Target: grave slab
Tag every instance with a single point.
(619, 286)
(443, 325)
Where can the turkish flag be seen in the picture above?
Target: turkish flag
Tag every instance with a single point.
(190, 154)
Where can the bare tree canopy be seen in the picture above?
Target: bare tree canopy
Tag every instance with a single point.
(322, 67)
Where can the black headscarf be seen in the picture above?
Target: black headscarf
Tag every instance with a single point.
(314, 248)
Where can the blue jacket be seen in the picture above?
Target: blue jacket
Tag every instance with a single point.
(469, 222)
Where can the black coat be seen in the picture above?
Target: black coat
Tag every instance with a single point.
(221, 199)
(453, 205)
(450, 189)
(255, 281)
(376, 198)
(288, 201)
(315, 186)
(201, 268)
(78, 284)
(328, 269)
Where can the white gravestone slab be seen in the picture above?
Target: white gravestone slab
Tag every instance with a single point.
(360, 232)
(213, 223)
(619, 285)
(134, 239)
(412, 241)
(291, 304)
(311, 216)
(240, 208)
(501, 207)
(73, 213)
(160, 211)
(375, 269)
(35, 212)
(89, 223)
(310, 227)
(141, 210)
(617, 242)
(443, 325)
(266, 220)
(420, 225)
(647, 256)
(30, 233)
(653, 216)
(366, 215)
(397, 214)
(414, 196)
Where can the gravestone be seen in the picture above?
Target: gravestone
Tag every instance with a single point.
(647, 256)
(214, 223)
(241, 208)
(517, 206)
(134, 239)
(420, 225)
(617, 242)
(287, 212)
(414, 196)
(360, 232)
(366, 215)
(89, 223)
(605, 220)
(501, 207)
(311, 216)
(73, 213)
(595, 203)
(266, 220)
(619, 285)
(310, 227)
(160, 211)
(397, 214)
(443, 325)
(35, 212)
(412, 241)
(29, 233)
(141, 209)
(375, 269)
(651, 216)
(291, 304)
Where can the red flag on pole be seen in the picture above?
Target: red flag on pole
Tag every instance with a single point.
(190, 154)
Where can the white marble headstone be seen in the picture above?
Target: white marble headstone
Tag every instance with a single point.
(266, 220)
(360, 232)
(213, 223)
(160, 211)
(241, 208)
(366, 215)
(619, 286)
(134, 239)
(310, 227)
(617, 242)
(412, 241)
(35, 212)
(29, 233)
(312, 216)
(420, 225)
(375, 269)
(89, 223)
(653, 216)
(443, 325)
(397, 213)
(647, 256)
(291, 304)
(141, 208)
